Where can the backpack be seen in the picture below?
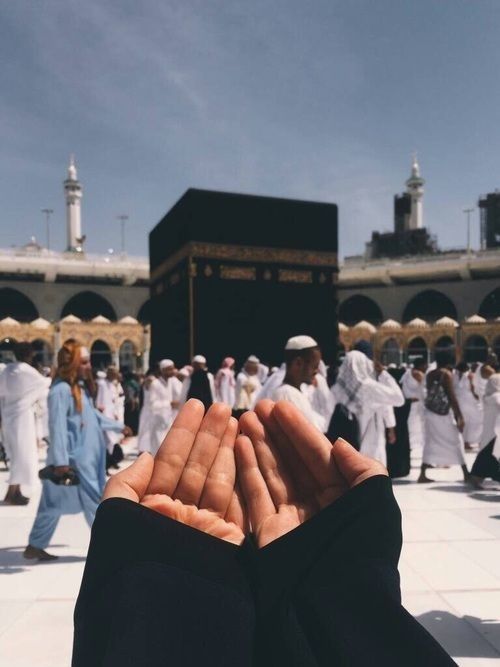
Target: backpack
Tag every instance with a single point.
(437, 400)
(344, 424)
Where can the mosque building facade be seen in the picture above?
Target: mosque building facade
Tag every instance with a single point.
(404, 295)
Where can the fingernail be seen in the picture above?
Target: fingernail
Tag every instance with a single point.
(342, 440)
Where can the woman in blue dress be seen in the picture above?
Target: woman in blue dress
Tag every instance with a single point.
(76, 431)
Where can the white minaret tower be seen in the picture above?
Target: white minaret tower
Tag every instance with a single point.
(415, 188)
(73, 193)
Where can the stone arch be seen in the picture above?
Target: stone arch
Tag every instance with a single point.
(417, 347)
(475, 348)
(17, 305)
(128, 356)
(360, 307)
(100, 355)
(429, 305)
(445, 344)
(390, 352)
(144, 314)
(87, 305)
(490, 305)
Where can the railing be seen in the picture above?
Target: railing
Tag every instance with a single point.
(444, 255)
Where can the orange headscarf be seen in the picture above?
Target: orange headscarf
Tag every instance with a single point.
(68, 363)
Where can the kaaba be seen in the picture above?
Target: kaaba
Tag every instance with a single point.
(237, 274)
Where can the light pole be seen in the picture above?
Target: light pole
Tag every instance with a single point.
(123, 219)
(467, 212)
(48, 212)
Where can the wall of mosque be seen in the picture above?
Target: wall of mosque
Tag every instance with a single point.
(50, 299)
(392, 300)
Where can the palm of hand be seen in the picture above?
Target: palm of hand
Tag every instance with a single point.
(206, 520)
(282, 496)
(192, 477)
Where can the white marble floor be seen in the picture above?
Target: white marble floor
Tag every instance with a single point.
(450, 570)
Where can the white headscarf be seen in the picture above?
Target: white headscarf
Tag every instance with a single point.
(355, 369)
(493, 385)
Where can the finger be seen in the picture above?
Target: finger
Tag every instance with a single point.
(253, 487)
(174, 451)
(219, 485)
(313, 447)
(132, 482)
(271, 466)
(353, 466)
(303, 479)
(236, 512)
(202, 454)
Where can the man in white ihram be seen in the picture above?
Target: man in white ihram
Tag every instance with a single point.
(109, 401)
(164, 397)
(302, 358)
(21, 386)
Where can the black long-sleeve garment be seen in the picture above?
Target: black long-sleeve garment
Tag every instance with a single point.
(156, 593)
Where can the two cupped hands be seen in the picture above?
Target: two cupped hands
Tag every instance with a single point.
(265, 474)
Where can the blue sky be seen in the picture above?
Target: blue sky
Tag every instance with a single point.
(321, 100)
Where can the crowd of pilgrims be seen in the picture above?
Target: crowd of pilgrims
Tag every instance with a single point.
(438, 409)
(248, 531)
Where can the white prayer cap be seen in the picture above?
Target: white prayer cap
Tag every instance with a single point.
(84, 353)
(101, 375)
(253, 359)
(300, 343)
(166, 363)
(199, 359)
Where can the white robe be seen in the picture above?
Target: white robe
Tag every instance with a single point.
(444, 445)
(42, 413)
(271, 384)
(247, 389)
(414, 390)
(21, 386)
(225, 391)
(470, 407)
(376, 396)
(288, 393)
(480, 382)
(145, 419)
(110, 401)
(321, 398)
(491, 423)
(162, 393)
(263, 373)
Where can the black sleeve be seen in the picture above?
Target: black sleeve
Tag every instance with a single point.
(328, 593)
(156, 593)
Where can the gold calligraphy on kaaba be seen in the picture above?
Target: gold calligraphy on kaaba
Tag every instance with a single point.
(238, 272)
(293, 276)
(219, 251)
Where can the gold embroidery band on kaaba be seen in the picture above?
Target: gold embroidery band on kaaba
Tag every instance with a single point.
(219, 251)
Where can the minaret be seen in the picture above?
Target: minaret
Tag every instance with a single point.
(415, 188)
(73, 193)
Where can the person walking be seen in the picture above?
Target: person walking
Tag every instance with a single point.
(76, 444)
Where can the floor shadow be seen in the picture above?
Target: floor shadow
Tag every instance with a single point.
(13, 562)
(451, 488)
(401, 482)
(495, 516)
(486, 497)
(448, 630)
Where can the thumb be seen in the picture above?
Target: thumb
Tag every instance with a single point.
(352, 465)
(132, 482)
